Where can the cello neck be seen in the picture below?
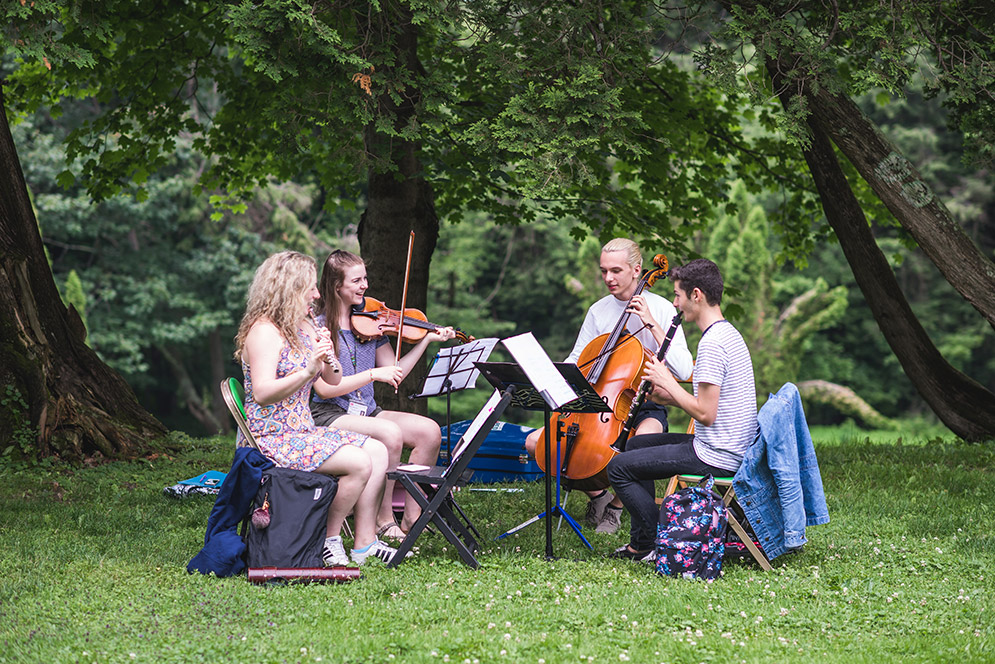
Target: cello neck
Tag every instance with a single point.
(613, 340)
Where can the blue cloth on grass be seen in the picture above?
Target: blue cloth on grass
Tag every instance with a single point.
(224, 550)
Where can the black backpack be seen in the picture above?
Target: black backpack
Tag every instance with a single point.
(286, 527)
(690, 538)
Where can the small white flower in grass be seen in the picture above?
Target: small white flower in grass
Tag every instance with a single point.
(503, 652)
(434, 653)
(303, 651)
(742, 614)
(507, 636)
(132, 655)
(623, 656)
(445, 658)
(490, 625)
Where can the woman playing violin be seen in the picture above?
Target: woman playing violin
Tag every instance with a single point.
(350, 404)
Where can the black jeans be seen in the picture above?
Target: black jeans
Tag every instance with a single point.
(647, 458)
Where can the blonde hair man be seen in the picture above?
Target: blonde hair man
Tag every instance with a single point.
(621, 265)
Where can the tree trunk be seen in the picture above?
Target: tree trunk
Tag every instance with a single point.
(75, 404)
(960, 402)
(901, 188)
(398, 203)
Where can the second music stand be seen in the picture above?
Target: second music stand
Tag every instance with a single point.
(504, 374)
(453, 370)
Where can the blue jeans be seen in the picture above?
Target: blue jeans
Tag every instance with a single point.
(648, 458)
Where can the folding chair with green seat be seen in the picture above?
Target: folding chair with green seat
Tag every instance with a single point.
(231, 392)
(234, 396)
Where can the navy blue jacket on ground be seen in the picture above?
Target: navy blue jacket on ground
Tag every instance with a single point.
(224, 550)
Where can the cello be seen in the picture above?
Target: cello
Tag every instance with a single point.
(613, 364)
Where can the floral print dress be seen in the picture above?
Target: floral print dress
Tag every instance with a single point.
(285, 430)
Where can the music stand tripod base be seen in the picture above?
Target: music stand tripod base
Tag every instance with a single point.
(501, 374)
(553, 510)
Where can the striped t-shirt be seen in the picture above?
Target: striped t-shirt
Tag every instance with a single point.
(724, 360)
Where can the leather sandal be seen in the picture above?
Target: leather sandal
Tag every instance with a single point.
(391, 531)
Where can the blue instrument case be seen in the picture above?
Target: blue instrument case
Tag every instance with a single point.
(501, 457)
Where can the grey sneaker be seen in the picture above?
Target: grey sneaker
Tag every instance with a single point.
(333, 554)
(596, 509)
(378, 550)
(611, 519)
(649, 558)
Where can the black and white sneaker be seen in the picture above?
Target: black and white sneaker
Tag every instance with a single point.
(378, 550)
(625, 553)
(333, 554)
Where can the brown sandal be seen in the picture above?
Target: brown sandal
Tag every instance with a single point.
(391, 531)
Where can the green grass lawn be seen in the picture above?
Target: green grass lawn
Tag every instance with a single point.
(92, 569)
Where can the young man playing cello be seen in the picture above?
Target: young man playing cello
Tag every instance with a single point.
(621, 268)
(724, 408)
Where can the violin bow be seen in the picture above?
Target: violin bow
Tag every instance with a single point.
(404, 301)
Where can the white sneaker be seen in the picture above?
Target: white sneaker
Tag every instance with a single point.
(378, 550)
(333, 555)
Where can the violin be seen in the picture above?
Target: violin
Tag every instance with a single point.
(373, 319)
(613, 364)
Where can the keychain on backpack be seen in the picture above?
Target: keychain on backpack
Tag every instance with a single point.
(260, 515)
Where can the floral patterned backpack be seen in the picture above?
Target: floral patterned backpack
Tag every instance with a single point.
(690, 538)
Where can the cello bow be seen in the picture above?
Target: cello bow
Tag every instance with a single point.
(644, 388)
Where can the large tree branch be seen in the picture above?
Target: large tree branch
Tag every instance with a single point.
(963, 405)
(901, 188)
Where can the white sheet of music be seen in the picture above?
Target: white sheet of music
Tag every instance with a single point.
(539, 369)
(475, 426)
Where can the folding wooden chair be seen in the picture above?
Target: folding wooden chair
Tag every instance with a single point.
(231, 392)
(433, 488)
(723, 485)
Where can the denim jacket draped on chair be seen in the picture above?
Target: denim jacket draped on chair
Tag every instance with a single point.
(778, 483)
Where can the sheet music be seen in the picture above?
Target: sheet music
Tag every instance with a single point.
(455, 363)
(539, 368)
(475, 426)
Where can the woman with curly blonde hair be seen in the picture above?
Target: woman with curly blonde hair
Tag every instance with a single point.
(283, 354)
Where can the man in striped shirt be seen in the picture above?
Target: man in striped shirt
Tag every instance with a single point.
(723, 405)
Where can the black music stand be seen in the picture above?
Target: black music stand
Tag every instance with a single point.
(504, 374)
(453, 370)
(432, 488)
